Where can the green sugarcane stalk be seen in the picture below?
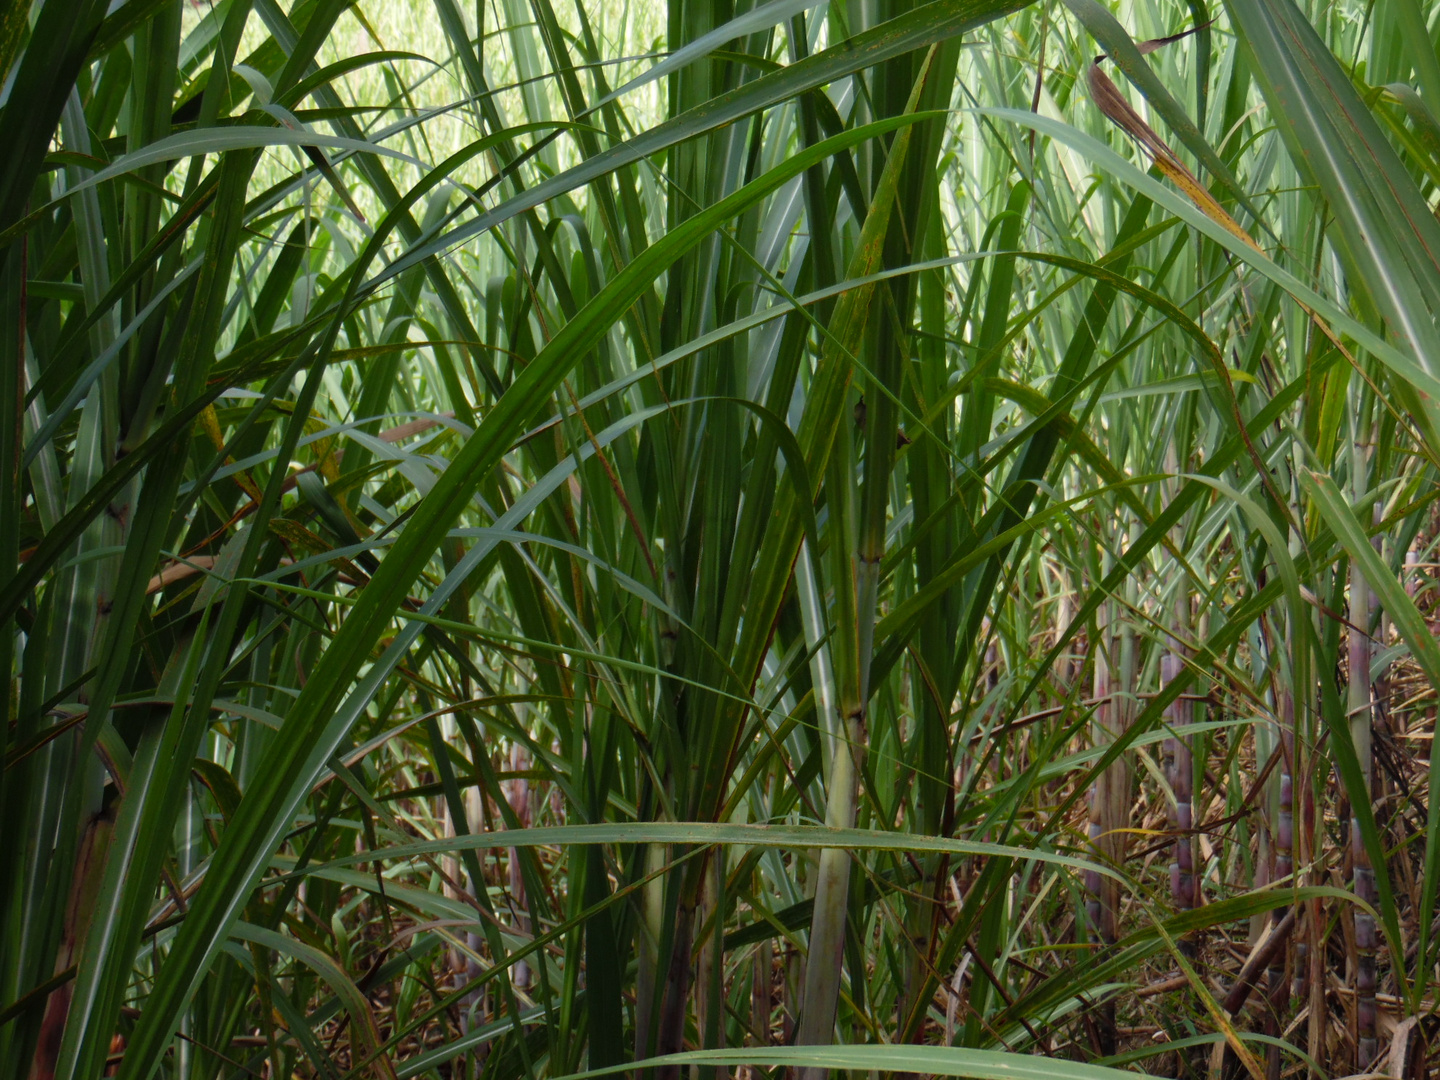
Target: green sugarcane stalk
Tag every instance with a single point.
(856, 548)
(832, 884)
(1179, 760)
(1283, 848)
(1360, 713)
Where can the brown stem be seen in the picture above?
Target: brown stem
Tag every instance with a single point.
(1260, 959)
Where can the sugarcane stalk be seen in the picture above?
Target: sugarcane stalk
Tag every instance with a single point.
(827, 933)
(1360, 713)
(1114, 668)
(855, 571)
(647, 950)
(1278, 987)
(832, 884)
(517, 794)
(1179, 760)
(792, 989)
(760, 993)
(1101, 668)
(1180, 771)
(1180, 764)
(674, 1006)
(710, 967)
(1182, 784)
(1284, 980)
(1307, 973)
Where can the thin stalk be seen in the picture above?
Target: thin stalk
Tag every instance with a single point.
(1179, 759)
(1180, 770)
(832, 885)
(760, 983)
(1283, 846)
(1359, 709)
(1110, 797)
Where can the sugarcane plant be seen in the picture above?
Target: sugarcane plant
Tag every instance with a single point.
(880, 536)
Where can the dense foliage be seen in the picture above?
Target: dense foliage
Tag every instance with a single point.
(865, 535)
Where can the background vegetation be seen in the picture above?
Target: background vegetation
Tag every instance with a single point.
(856, 535)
